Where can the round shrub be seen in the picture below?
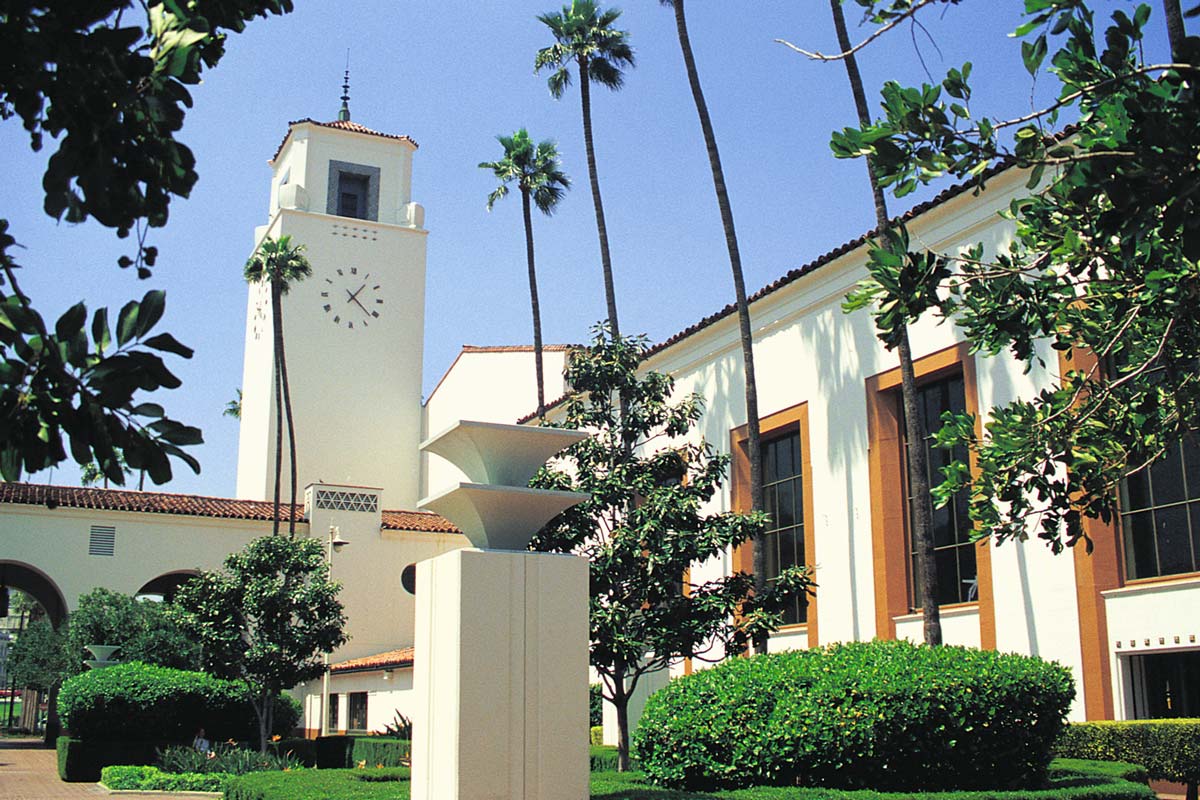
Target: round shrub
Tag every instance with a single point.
(881, 715)
(144, 702)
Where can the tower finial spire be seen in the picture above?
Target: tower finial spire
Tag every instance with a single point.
(344, 113)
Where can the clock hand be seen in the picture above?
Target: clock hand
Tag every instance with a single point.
(354, 296)
(360, 305)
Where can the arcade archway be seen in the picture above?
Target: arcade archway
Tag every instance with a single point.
(36, 584)
(165, 586)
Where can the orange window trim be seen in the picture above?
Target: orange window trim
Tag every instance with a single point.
(792, 418)
(1095, 573)
(889, 520)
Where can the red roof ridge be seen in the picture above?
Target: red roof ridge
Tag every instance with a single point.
(515, 348)
(341, 125)
(193, 505)
(403, 657)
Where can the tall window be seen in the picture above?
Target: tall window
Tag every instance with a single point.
(783, 499)
(953, 550)
(358, 711)
(352, 195)
(332, 725)
(1160, 515)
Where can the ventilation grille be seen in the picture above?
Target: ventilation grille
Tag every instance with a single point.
(103, 541)
(347, 501)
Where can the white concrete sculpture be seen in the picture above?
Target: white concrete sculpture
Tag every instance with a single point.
(501, 632)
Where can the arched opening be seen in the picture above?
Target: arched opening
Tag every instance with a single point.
(164, 587)
(36, 584)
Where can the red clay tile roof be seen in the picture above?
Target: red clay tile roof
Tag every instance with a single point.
(390, 660)
(420, 521)
(341, 125)
(192, 505)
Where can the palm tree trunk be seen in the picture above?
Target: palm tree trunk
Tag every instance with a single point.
(918, 461)
(753, 438)
(533, 303)
(1175, 30)
(610, 292)
(291, 428)
(277, 324)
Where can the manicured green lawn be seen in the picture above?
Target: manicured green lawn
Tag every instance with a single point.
(1071, 780)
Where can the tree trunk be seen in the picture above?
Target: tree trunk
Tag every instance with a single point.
(1175, 30)
(610, 292)
(753, 438)
(918, 462)
(277, 324)
(533, 303)
(264, 730)
(53, 727)
(620, 701)
(291, 428)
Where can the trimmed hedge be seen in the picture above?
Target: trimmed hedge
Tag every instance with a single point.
(596, 735)
(1168, 748)
(153, 779)
(144, 702)
(81, 761)
(321, 784)
(380, 751)
(1074, 781)
(303, 750)
(885, 715)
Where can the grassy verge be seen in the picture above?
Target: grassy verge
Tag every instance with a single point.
(1070, 780)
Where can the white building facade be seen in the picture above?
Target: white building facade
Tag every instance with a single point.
(1124, 619)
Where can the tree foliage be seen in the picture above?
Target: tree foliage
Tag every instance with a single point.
(106, 80)
(1103, 267)
(645, 525)
(40, 657)
(145, 630)
(266, 618)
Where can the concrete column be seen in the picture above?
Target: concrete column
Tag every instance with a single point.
(502, 655)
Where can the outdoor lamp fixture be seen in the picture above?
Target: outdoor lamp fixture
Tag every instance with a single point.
(335, 543)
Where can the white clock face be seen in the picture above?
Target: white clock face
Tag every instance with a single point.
(351, 299)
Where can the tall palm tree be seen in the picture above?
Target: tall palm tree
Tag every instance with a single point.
(584, 34)
(538, 175)
(918, 460)
(280, 264)
(753, 443)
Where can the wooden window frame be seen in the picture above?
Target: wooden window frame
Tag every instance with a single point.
(889, 506)
(793, 418)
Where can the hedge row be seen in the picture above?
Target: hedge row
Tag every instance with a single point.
(153, 779)
(144, 702)
(1067, 781)
(1168, 748)
(885, 715)
(321, 784)
(80, 761)
(344, 752)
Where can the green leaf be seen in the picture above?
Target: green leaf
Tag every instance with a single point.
(167, 343)
(150, 311)
(127, 323)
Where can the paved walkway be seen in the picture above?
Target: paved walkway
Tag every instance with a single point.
(28, 771)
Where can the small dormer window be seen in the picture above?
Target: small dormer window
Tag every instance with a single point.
(353, 191)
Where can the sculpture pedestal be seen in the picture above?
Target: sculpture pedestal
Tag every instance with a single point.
(501, 667)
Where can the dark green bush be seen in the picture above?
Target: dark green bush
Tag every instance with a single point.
(152, 779)
(380, 751)
(321, 784)
(142, 702)
(603, 758)
(335, 752)
(879, 715)
(303, 750)
(1169, 749)
(1078, 780)
(80, 760)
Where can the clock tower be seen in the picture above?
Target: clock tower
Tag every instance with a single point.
(354, 330)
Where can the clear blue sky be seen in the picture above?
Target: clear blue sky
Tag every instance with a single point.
(453, 75)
